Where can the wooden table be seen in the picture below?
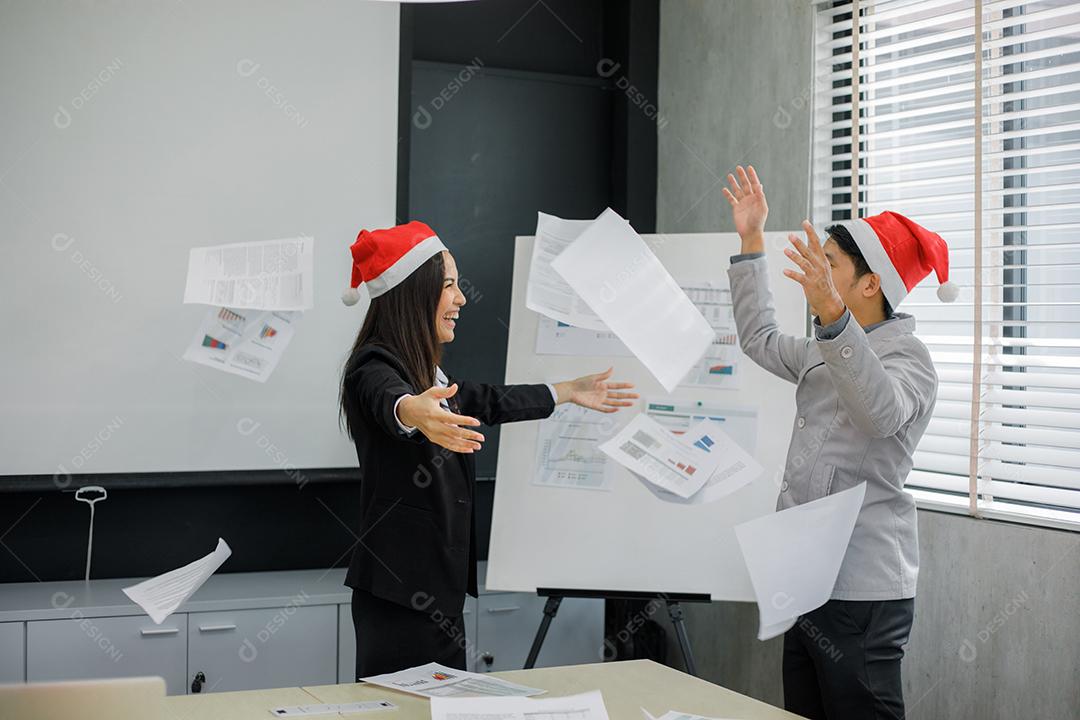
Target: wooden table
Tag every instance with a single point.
(627, 687)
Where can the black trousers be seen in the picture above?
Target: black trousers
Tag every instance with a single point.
(842, 661)
(390, 637)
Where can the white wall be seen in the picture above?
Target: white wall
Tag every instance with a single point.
(133, 131)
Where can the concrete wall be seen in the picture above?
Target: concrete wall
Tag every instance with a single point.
(997, 618)
(734, 88)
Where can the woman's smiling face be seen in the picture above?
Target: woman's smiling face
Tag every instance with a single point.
(450, 301)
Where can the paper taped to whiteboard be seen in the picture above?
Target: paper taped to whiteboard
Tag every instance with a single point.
(547, 293)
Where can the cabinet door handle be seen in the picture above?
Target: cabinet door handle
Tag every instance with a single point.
(145, 632)
(511, 608)
(216, 628)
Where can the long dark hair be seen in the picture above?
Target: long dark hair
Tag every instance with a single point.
(403, 322)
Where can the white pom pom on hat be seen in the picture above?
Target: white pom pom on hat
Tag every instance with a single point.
(948, 291)
(350, 296)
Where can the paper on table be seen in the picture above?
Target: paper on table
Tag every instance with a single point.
(264, 275)
(160, 596)
(645, 448)
(736, 467)
(676, 715)
(793, 556)
(435, 680)
(363, 706)
(249, 343)
(547, 293)
(616, 273)
(586, 706)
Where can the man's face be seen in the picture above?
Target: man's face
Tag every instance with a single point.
(853, 291)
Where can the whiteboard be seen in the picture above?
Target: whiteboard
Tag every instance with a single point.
(626, 539)
(135, 130)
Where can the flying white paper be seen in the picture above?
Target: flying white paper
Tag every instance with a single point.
(623, 282)
(265, 275)
(547, 293)
(249, 343)
(648, 450)
(717, 369)
(794, 556)
(736, 467)
(586, 706)
(435, 680)
(160, 596)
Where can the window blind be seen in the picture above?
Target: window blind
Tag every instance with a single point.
(965, 116)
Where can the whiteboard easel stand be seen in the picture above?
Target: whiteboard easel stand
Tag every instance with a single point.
(555, 596)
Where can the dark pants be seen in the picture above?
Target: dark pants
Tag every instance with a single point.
(390, 637)
(842, 661)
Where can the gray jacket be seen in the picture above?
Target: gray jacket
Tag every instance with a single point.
(863, 400)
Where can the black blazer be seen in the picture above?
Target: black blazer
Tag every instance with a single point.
(417, 544)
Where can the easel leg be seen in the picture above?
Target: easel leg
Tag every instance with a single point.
(676, 614)
(550, 608)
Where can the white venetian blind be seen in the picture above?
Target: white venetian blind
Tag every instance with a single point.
(954, 96)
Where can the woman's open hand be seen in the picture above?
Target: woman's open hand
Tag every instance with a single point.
(596, 393)
(438, 424)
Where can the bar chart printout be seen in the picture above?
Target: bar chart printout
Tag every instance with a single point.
(567, 453)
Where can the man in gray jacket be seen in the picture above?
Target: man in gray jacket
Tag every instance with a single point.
(865, 391)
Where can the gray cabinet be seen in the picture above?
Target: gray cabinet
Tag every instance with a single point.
(107, 647)
(468, 617)
(12, 652)
(346, 645)
(264, 648)
(252, 631)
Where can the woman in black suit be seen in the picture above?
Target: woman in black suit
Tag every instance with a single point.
(416, 554)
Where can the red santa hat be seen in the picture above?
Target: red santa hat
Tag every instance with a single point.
(381, 259)
(902, 253)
